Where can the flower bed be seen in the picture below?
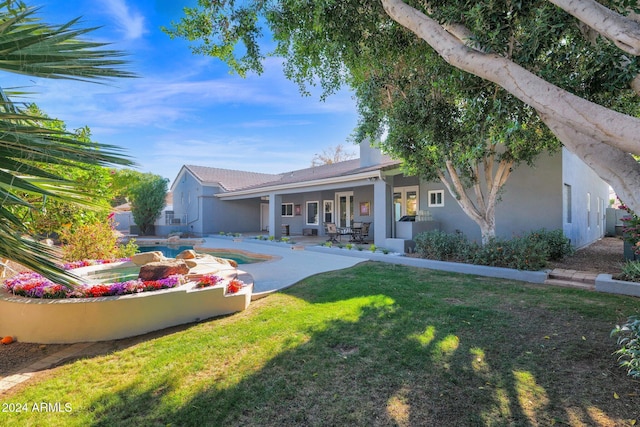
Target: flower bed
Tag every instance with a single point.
(119, 310)
(33, 285)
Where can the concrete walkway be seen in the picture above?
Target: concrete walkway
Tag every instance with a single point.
(307, 258)
(291, 263)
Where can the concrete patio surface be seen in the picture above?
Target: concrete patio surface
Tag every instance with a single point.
(291, 263)
(308, 257)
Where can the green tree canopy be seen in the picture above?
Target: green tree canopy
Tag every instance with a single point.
(148, 198)
(28, 150)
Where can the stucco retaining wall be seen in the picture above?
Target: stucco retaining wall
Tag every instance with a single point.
(606, 283)
(56, 321)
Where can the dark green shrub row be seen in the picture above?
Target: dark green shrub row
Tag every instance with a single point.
(529, 252)
(442, 246)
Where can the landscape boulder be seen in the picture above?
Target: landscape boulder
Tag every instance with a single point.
(187, 254)
(143, 258)
(162, 269)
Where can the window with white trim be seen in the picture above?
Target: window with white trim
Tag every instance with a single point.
(312, 213)
(436, 198)
(328, 210)
(287, 209)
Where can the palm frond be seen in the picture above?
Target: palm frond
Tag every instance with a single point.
(33, 255)
(28, 46)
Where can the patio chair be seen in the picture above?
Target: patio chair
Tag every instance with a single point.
(331, 230)
(360, 231)
(356, 232)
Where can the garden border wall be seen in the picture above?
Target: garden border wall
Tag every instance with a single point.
(72, 320)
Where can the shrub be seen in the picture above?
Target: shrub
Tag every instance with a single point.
(531, 252)
(94, 241)
(520, 253)
(629, 342)
(558, 244)
(630, 271)
(442, 246)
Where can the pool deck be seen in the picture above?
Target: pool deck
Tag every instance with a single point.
(307, 257)
(291, 263)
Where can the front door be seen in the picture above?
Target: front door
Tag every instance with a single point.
(344, 203)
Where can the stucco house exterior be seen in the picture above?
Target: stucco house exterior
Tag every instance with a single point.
(560, 192)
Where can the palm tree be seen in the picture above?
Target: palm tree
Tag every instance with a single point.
(28, 46)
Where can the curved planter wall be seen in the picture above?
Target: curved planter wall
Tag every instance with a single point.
(56, 321)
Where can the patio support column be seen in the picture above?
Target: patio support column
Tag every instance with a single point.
(275, 215)
(382, 209)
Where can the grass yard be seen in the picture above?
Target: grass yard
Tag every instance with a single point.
(374, 345)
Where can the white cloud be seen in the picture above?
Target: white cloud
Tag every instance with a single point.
(129, 21)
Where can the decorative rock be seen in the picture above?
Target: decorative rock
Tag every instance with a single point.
(227, 261)
(162, 269)
(173, 239)
(187, 254)
(190, 263)
(147, 257)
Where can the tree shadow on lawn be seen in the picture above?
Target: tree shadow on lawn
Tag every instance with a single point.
(422, 349)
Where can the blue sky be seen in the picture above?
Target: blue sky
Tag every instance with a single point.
(183, 108)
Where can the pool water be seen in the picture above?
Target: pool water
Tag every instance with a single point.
(167, 251)
(173, 251)
(113, 275)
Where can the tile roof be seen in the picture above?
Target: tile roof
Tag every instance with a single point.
(233, 180)
(230, 179)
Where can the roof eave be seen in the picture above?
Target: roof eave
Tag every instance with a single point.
(254, 192)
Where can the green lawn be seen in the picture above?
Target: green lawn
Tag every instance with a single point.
(374, 345)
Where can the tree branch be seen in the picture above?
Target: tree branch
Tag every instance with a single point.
(595, 121)
(613, 165)
(458, 191)
(621, 30)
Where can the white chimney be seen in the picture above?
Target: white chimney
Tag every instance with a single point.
(369, 154)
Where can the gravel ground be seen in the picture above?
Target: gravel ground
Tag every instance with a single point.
(603, 256)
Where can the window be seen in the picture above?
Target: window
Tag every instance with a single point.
(328, 210)
(312, 213)
(588, 210)
(567, 203)
(405, 201)
(287, 209)
(436, 198)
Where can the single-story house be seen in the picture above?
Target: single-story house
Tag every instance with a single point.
(560, 192)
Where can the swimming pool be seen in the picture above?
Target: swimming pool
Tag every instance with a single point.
(167, 251)
(240, 257)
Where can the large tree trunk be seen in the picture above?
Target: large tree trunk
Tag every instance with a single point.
(576, 121)
(483, 210)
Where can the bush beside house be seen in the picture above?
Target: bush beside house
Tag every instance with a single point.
(530, 252)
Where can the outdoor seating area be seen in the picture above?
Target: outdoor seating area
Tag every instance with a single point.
(358, 232)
